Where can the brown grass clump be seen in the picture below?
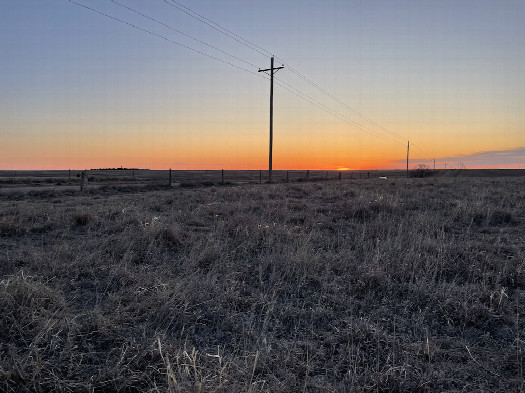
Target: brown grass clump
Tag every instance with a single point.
(349, 286)
(82, 218)
(172, 238)
(9, 226)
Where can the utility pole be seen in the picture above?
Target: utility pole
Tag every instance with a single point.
(408, 149)
(434, 164)
(272, 70)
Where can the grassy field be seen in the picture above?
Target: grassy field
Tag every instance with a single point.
(344, 286)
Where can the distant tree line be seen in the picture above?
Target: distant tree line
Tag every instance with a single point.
(119, 169)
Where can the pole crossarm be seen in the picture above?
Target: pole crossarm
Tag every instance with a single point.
(270, 69)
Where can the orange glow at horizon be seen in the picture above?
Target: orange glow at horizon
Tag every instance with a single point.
(296, 146)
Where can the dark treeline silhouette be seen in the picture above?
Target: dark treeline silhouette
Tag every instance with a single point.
(119, 169)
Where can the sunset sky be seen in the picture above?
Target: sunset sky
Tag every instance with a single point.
(80, 90)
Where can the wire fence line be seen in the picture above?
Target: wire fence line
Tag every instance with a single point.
(143, 179)
(178, 178)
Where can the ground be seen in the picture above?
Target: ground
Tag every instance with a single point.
(352, 285)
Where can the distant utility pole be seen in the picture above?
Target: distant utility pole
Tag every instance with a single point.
(408, 149)
(272, 70)
(434, 164)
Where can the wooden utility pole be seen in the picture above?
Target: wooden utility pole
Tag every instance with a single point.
(408, 150)
(272, 70)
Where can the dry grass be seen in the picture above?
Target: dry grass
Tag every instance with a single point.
(412, 285)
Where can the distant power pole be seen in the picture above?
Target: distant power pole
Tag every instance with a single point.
(272, 70)
(434, 164)
(408, 149)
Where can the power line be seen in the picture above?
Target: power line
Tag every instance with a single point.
(311, 100)
(183, 33)
(162, 37)
(265, 52)
(283, 84)
(218, 27)
(324, 108)
(333, 97)
(340, 116)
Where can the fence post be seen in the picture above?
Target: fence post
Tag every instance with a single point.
(307, 175)
(170, 178)
(287, 176)
(368, 175)
(340, 173)
(326, 176)
(222, 175)
(260, 177)
(83, 181)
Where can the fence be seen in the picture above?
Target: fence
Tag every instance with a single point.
(175, 178)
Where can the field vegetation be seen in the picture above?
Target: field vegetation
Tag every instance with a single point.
(342, 286)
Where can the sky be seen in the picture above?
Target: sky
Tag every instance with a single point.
(142, 83)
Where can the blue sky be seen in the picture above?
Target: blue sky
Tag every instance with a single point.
(81, 90)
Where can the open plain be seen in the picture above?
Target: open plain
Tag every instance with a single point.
(328, 286)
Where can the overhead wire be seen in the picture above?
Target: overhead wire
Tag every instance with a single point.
(327, 109)
(283, 84)
(339, 101)
(183, 33)
(163, 37)
(232, 35)
(265, 52)
(217, 27)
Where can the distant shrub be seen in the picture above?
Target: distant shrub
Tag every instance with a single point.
(422, 170)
